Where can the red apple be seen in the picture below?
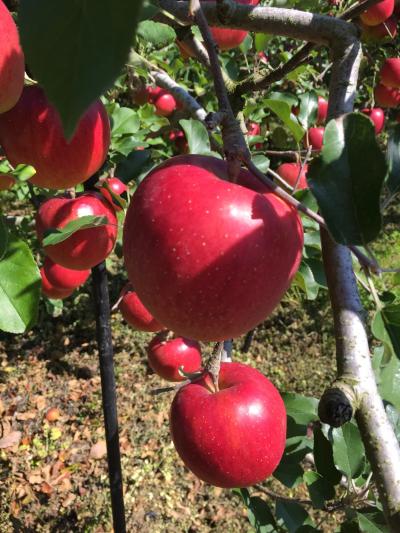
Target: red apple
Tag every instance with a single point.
(87, 247)
(6, 181)
(290, 173)
(314, 138)
(179, 140)
(165, 104)
(322, 110)
(209, 258)
(378, 13)
(388, 28)
(118, 188)
(253, 129)
(263, 58)
(153, 93)
(136, 314)
(12, 63)
(64, 278)
(167, 356)
(234, 437)
(390, 72)
(387, 96)
(226, 38)
(31, 133)
(377, 116)
(49, 290)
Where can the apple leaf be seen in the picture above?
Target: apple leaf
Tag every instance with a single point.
(261, 41)
(323, 457)
(348, 450)
(393, 158)
(56, 235)
(3, 237)
(347, 178)
(319, 489)
(308, 109)
(19, 287)
(259, 512)
(23, 172)
(304, 279)
(197, 137)
(293, 514)
(156, 33)
(124, 121)
(389, 382)
(302, 409)
(132, 166)
(283, 109)
(76, 50)
(386, 326)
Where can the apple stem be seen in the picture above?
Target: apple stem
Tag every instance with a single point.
(214, 364)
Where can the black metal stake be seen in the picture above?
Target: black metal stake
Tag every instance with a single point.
(109, 395)
(247, 341)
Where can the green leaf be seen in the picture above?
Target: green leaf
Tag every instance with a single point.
(19, 287)
(260, 515)
(76, 50)
(302, 409)
(246, 45)
(3, 237)
(283, 109)
(261, 41)
(304, 279)
(132, 166)
(348, 450)
(319, 488)
(293, 515)
(156, 33)
(323, 457)
(125, 121)
(393, 415)
(389, 382)
(289, 471)
(197, 136)
(347, 178)
(56, 235)
(261, 162)
(23, 172)
(372, 522)
(393, 158)
(386, 326)
(308, 109)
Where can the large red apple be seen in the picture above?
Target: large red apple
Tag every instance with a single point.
(12, 63)
(377, 116)
(51, 291)
(63, 278)
(210, 259)
(31, 133)
(378, 13)
(388, 28)
(322, 110)
(290, 173)
(136, 314)
(226, 38)
(315, 138)
(87, 247)
(167, 356)
(387, 96)
(390, 72)
(234, 437)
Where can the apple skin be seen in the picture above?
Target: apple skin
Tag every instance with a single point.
(118, 187)
(290, 172)
(377, 115)
(226, 38)
(388, 28)
(167, 356)
(322, 110)
(49, 290)
(87, 247)
(378, 13)
(6, 181)
(64, 278)
(31, 133)
(390, 72)
(315, 138)
(210, 259)
(136, 314)
(12, 62)
(387, 96)
(234, 437)
(165, 105)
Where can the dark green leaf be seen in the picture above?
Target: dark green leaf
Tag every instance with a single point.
(323, 457)
(149, 10)
(302, 409)
(132, 166)
(386, 326)
(348, 450)
(293, 515)
(19, 287)
(156, 33)
(289, 471)
(308, 109)
(3, 237)
(260, 515)
(372, 522)
(76, 50)
(393, 158)
(389, 382)
(55, 236)
(197, 136)
(319, 488)
(284, 111)
(347, 179)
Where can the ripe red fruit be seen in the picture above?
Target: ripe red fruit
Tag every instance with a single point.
(387, 96)
(378, 13)
(234, 437)
(377, 116)
(209, 258)
(52, 414)
(136, 314)
(390, 72)
(6, 181)
(388, 28)
(315, 138)
(179, 140)
(263, 58)
(226, 38)
(322, 110)
(117, 186)
(87, 247)
(12, 63)
(49, 290)
(253, 129)
(290, 172)
(64, 278)
(165, 104)
(166, 357)
(31, 133)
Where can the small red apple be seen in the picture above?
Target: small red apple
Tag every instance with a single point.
(49, 290)
(234, 437)
(290, 173)
(387, 96)
(87, 247)
(64, 278)
(12, 63)
(165, 104)
(315, 138)
(377, 115)
(388, 28)
(179, 140)
(378, 13)
(118, 188)
(153, 93)
(322, 110)
(31, 133)
(209, 258)
(6, 181)
(253, 129)
(390, 72)
(263, 58)
(167, 356)
(136, 314)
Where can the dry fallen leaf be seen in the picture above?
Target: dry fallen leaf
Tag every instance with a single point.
(98, 450)
(11, 439)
